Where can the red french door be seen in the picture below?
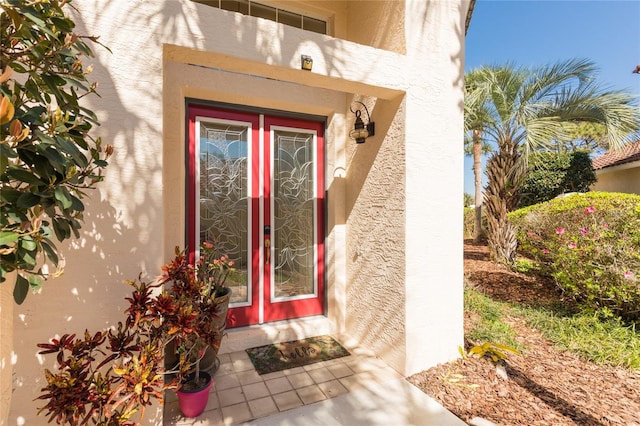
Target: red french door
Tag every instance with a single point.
(256, 191)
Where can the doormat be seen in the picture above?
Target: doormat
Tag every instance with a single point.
(295, 353)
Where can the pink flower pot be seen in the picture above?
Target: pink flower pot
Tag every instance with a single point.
(194, 401)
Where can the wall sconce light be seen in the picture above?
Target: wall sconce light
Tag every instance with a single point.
(306, 62)
(362, 131)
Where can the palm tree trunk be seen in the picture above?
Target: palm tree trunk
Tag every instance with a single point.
(501, 196)
(478, 232)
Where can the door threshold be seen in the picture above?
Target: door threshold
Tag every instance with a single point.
(241, 338)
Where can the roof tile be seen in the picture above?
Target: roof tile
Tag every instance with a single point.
(628, 153)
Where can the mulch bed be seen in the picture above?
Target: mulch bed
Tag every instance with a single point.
(544, 385)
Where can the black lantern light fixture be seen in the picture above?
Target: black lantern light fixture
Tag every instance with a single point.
(362, 131)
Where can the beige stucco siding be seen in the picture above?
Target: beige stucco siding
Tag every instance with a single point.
(623, 178)
(394, 223)
(434, 175)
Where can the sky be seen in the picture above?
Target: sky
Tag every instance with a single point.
(540, 32)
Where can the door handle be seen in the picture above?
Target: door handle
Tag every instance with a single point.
(267, 249)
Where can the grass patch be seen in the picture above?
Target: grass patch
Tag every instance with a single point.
(491, 326)
(603, 342)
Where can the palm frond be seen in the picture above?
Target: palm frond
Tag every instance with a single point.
(546, 81)
(617, 111)
(523, 110)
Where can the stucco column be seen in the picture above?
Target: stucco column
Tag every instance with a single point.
(434, 183)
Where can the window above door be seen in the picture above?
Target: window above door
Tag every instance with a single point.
(260, 10)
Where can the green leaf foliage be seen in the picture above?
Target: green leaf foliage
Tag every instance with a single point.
(590, 244)
(21, 289)
(8, 237)
(493, 351)
(48, 154)
(554, 173)
(523, 110)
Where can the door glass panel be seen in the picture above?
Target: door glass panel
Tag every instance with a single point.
(293, 215)
(224, 199)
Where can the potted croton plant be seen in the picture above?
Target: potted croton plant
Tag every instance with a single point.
(211, 273)
(200, 293)
(108, 378)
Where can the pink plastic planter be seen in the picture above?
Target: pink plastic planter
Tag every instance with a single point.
(193, 403)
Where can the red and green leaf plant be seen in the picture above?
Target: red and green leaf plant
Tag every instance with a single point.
(110, 377)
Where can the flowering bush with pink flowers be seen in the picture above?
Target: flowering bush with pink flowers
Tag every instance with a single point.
(590, 244)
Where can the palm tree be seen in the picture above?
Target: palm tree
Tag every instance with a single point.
(530, 109)
(476, 116)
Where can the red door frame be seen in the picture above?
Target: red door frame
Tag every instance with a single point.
(239, 315)
(309, 306)
(260, 197)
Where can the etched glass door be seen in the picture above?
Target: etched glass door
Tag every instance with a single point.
(256, 193)
(293, 214)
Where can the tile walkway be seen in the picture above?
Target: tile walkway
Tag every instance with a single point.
(240, 395)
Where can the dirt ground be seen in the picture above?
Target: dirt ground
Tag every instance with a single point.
(544, 385)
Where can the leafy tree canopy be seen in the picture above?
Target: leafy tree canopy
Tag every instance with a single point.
(468, 199)
(551, 174)
(585, 136)
(524, 110)
(48, 156)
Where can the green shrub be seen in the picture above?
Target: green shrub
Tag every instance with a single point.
(469, 214)
(469, 221)
(49, 156)
(551, 174)
(590, 244)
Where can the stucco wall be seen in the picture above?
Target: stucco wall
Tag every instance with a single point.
(376, 221)
(379, 24)
(6, 345)
(122, 231)
(434, 182)
(394, 222)
(404, 252)
(624, 178)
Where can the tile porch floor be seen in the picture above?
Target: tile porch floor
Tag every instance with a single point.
(240, 394)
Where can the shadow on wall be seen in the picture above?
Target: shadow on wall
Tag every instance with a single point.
(83, 298)
(458, 58)
(362, 158)
(375, 182)
(131, 195)
(119, 237)
(123, 222)
(378, 24)
(375, 204)
(329, 57)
